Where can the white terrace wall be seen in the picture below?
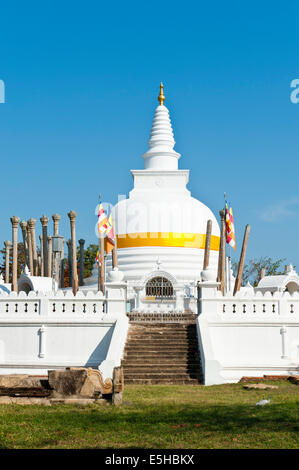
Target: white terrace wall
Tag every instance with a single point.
(248, 335)
(46, 331)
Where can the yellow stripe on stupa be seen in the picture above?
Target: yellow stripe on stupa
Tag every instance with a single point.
(183, 240)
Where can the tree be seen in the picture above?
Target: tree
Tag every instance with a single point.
(89, 259)
(21, 260)
(253, 268)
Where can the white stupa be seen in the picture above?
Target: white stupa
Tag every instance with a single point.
(161, 228)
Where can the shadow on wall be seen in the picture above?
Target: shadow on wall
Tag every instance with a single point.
(99, 354)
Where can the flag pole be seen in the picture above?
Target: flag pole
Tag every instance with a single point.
(225, 273)
(99, 260)
(101, 272)
(114, 251)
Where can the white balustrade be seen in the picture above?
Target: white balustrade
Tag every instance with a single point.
(250, 306)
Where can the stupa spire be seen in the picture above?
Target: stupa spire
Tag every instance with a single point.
(161, 97)
(161, 155)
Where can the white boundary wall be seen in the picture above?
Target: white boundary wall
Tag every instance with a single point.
(247, 335)
(50, 331)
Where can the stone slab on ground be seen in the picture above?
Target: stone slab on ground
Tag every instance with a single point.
(21, 381)
(276, 377)
(21, 385)
(6, 400)
(260, 387)
(77, 401)
(246, 379)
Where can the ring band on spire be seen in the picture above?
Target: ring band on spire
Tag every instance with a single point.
(161, 97)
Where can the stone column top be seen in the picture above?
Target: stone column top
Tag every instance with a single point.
(72, 215)
(15, 220)
(56, 217)
(81, 241)
(49, 237)
(7, 243)
(68, 242)
(44, 220)
(222, 214)
(31, 223)
(23, 224)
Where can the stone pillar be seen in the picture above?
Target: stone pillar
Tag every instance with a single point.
(81, 243)
(32, 223)
(72, 216)
(49, 274)
(207, 245)
(70, 258)
(39, 262)
(7, 250)
(238, 280)
(62, 267)
(30, 254)
(56, 218)
(221, 259)
(23, 226)
(14, 222)
(44, 221)
(41, 255)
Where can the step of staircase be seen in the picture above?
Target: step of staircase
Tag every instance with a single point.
(157, 370)
(161, 381)
(157, 376)
(162, 352)
(161, 317)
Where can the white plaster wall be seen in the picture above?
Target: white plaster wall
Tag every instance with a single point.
(248, 335)
(65, 345)
(39, 332)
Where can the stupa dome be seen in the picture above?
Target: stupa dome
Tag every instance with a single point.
(160, 219)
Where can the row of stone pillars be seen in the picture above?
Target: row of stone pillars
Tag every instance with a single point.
(45, 264)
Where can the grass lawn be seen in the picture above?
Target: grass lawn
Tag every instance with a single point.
(222, 416)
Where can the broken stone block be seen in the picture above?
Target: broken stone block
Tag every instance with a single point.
(68, 381)
(260, 387)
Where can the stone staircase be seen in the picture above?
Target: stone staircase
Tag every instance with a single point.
(162, 353)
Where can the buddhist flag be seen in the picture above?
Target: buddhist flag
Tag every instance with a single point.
(98, 260)
(102, 220)
(110, 238)
(229, 226)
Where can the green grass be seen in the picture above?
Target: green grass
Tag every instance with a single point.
(223, 416)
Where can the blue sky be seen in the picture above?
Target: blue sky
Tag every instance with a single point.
(81, 87)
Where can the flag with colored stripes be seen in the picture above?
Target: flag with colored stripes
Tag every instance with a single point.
(110, 239)
(98, 260)
(102, 220)
(230, 228)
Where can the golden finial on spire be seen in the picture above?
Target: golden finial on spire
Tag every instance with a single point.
(161, 97)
